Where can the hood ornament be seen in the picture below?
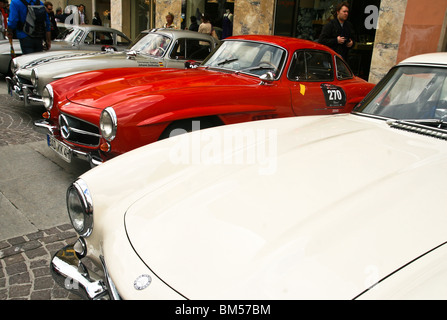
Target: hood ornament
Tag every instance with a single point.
(142, 282)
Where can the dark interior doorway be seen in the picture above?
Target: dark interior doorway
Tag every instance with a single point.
(305, 19)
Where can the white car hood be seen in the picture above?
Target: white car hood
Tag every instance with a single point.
(347, 201)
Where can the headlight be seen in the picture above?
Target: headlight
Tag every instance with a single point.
(80, 207)
(14, 66)
(108, 123)
(48, 97)
(34, 77)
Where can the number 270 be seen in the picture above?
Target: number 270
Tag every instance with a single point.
(334, 94)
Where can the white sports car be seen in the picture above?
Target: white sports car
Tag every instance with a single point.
(348, 206)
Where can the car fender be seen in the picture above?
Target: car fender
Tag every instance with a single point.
(191, 113)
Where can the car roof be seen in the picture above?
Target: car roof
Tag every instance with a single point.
(92, 27)
(287, 42)
(435, 58)
(174, 31)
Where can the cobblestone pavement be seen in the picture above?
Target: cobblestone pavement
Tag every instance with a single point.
(25, 260)
(16, 122)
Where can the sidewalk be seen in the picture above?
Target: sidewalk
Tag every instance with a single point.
(34, 223)
(25, 260)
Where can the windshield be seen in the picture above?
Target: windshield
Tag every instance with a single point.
(249, 57)
(153, 44)
(69, 35)
(409, 93)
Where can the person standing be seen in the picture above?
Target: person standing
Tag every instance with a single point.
(206, 26)
(193, 26)
(97, 19)
(170, 22)
(3, 19)
(82, 17)
(54, 29)
(16, 20)
(338, 34)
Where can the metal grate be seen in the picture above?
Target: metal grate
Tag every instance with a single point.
(78, 131)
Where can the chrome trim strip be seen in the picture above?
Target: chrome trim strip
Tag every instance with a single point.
(113, 292)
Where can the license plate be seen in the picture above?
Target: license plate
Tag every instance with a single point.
(61, 149)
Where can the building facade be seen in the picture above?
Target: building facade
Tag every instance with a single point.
(387, 31)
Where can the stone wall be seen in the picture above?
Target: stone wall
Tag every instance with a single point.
(388, 33)
(253, 17)
(163, 7)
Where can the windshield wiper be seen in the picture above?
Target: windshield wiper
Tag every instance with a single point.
(437, 123)
(430, 127)
(257, 68)
(227, 61)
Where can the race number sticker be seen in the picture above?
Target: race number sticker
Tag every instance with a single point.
(334, 96)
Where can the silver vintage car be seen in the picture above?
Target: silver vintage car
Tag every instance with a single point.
(73, 37)
(161, 48)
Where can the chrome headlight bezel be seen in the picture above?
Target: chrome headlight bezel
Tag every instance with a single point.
(108, 123)
(48, 97)
(14, 66)
(34, 77)
(80, 207)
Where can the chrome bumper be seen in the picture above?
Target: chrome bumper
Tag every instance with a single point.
(70, 273)
(43, 126)
(22, 92)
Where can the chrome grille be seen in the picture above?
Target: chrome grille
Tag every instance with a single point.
(79, 131)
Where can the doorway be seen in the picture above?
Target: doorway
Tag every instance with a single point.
(220, 13)
(305, 19)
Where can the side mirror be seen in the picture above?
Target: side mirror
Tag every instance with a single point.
(131, 54)
(267, 77)
(108, 48)
(191, 64)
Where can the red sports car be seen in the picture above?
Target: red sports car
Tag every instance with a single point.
(100, 114)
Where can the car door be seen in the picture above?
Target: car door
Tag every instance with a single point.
(314, 89)
(185, 49)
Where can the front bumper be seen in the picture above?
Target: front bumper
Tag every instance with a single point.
(70, 273)
(64, 150)
(22, 92)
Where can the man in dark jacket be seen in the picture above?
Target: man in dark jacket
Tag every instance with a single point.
(338, 34)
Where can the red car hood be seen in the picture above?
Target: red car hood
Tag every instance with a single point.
(121, 85)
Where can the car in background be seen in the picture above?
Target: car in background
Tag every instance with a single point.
(161, 48)
(353, 206)
(100, 114)
(74, 37)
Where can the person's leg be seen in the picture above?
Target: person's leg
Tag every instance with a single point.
(37, 44)
(26, 45)
(30, 45)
